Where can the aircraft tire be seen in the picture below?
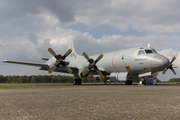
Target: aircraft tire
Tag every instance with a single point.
(129, 82)
(126, 82)
(79, 81)
(144, 82)
(75, 82)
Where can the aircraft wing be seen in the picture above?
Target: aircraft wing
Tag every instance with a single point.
(42, 66)
(27, 63)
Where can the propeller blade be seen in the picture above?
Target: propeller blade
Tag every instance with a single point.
(68, 69)
(66, 54)
(59, 61)
(92, 65)
(99, 72)
(165, 70)
(51, 69)
(86, 56)
(174, 58)
(51, 51)
(173, 71)
(100, 56)
(85, 72)
(170, 66)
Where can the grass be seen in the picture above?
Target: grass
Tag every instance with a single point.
(168, 83)
(5, 85)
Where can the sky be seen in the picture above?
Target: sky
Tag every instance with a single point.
(29, 27)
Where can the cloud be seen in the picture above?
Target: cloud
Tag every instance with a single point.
(152, 16)
(11, 10)
(170, 53)
(177, 62)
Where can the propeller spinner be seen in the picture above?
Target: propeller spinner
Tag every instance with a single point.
(92, 64)
(170, 67)
(59, 61)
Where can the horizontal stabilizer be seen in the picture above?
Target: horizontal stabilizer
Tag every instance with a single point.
(45, 59)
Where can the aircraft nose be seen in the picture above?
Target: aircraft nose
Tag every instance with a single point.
(159, 62)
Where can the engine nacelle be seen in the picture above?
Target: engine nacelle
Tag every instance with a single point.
(121, 76)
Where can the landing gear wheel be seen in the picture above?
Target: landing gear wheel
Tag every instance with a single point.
(128, 82)
(75, 82)
(79, 81)
(144, 82)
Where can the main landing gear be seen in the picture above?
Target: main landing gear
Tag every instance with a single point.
(77, 82)
(128, 82)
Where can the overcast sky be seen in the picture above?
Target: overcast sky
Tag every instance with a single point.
(29, 27)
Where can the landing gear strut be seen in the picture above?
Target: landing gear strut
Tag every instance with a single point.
(77, 82)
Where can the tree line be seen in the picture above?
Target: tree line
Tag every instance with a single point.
(174, 80)
(43, 79)
(54, 79)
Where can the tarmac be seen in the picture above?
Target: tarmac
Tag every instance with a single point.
(90, 102)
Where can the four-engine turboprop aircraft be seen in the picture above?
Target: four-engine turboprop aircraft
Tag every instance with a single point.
(123, 65)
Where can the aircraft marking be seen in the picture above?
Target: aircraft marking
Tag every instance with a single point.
(133, 52)
(113, 61)
(115, 76)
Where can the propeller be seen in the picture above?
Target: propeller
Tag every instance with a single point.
(170, 67)
(92, 64)
(59, 61)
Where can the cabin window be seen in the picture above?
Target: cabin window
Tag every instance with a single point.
(141, 52)
(149, 51)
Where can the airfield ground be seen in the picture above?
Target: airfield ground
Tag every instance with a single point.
(90, 101)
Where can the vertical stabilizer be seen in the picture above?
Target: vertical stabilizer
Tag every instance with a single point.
(73, 54)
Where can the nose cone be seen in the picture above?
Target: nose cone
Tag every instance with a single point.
(159, 62)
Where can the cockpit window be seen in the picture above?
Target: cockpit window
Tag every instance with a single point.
(141, 52)
(154, 51)
(149, 51)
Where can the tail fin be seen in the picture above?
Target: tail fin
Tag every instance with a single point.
(73, 54)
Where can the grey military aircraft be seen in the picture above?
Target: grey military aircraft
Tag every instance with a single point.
(123, 65)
